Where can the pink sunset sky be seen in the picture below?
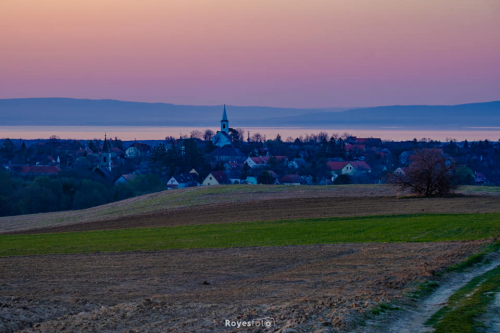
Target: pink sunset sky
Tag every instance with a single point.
(288, 53)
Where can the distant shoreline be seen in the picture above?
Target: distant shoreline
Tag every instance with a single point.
(130, 133)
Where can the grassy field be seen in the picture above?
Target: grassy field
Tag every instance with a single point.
(190, 197)
(211, 195)
(403, 228)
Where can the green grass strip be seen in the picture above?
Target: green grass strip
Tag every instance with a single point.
(404, 228)
(467, 305)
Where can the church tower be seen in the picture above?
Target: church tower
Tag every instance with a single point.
(224, 123)
(106, 154)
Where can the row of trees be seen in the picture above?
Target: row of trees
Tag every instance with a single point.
(44, 194)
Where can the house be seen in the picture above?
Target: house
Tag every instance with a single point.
(355, 149)
(480, 178)
(274, 176)
(255, 162)
(325, 181)
(195, 173)
(377, 142)
(227, 153)
(404, 157)
(41, 159)
(234, 176)
(400, 172)
(292, 180)
(261, 161)
(33, 170)
(233, 165)
(365, 141)
(137, 150)
(349, 167)
(103, 172)
(182, 181)
(222, 138)
(216, 178)
(124, 179)
(297, 163)
(251, 180)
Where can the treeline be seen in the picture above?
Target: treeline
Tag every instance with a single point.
(44, 194)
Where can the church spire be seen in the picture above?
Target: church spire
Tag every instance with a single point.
(224, 115)
(106, 146)
(224, 123)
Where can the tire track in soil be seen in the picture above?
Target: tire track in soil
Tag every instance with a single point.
(412, 320)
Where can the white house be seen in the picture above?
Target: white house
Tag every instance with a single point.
(182, 181)
(216, 178)
(260, 161)
(349, 168)
(399, 172)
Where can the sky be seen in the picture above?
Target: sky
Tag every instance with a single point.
(282, 53)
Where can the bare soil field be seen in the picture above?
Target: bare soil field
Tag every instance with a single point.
(285, 209)
(323, 288)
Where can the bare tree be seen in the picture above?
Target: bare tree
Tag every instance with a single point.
(322, 136)
(208, 135)
(430, 174)
(196, 134)
(346, 135)
(257, 137)
(241, 131)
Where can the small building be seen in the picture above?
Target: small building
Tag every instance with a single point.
(400, 172)
(137, 150)
(182, 181)
(234, 176)
(349, 168)
(355, 149)
(261, 161)
(33, 170)
(251, 180)
(480, 179)
(292, 180)
(216, 178)
(297, 163)
(255, 162)
(125, 179)
(404, 157)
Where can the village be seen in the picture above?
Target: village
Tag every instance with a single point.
(227, 157)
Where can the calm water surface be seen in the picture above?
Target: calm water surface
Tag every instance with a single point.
(159, 133)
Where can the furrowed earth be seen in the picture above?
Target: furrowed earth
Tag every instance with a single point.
(307, 288)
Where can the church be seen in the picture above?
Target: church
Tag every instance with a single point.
(222, 138)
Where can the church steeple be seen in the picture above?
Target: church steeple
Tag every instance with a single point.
(224, 123)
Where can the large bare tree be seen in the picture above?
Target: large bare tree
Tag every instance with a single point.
(430, 174)
(208, 135)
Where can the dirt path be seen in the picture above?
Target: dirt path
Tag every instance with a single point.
(282, 209)
(413, 320)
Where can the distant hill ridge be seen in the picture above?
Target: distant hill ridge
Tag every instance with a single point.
(86, 112)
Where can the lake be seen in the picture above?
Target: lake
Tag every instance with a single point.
(158, 133)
